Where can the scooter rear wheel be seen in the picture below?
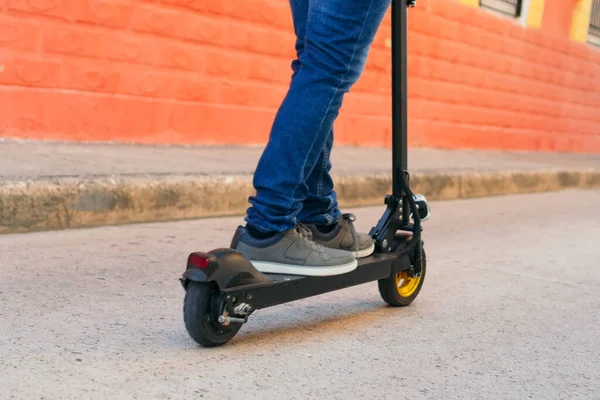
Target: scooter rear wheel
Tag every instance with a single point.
(202, 306)
(400, 290)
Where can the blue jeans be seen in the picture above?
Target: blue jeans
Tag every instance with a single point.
(292, 178)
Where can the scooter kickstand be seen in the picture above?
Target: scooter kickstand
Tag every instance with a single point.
(226, 320)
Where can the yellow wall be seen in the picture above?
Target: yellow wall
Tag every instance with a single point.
(472, 3)
(581, 20)
(535, 14)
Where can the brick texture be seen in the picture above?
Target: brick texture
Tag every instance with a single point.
(212, 72)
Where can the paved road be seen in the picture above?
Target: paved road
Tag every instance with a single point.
(510, 310)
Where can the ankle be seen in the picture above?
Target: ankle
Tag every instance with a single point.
(326, 228)
(258, 234)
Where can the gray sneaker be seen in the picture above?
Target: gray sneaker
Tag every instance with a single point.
(343, 237)
(292, 252)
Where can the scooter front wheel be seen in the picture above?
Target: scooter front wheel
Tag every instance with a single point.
(400, 289)
(202, 306)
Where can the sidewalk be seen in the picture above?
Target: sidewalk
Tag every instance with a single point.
(58, 185)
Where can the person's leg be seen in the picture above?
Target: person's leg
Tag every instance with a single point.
(338, 36)
(322, 216)
(320, 211)
(331, 58)
(320, 205)
(300, 18)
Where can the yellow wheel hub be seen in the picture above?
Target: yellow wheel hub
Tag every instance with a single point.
(405, 285)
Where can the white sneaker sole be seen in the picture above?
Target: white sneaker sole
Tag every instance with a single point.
(304, 270)
(365, 252)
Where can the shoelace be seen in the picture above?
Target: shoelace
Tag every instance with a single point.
(306, 235)
(349, 219)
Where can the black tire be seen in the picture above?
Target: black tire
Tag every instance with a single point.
(201, 309)
(389, 291)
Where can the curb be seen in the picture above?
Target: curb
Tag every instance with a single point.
(64, 203)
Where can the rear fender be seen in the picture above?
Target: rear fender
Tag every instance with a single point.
(226, 267)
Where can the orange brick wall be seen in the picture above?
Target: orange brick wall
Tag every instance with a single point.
(558, 15)
(214, 72)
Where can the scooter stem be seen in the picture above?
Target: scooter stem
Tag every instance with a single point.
(400, 98)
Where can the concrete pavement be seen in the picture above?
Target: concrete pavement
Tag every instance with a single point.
(33, 160)
(510, 310)
(46, 185)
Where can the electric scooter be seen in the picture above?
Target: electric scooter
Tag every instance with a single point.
(222, 288)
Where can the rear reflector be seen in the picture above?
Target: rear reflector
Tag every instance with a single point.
(199, 260)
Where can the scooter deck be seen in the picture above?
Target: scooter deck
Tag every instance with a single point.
(287, 288)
